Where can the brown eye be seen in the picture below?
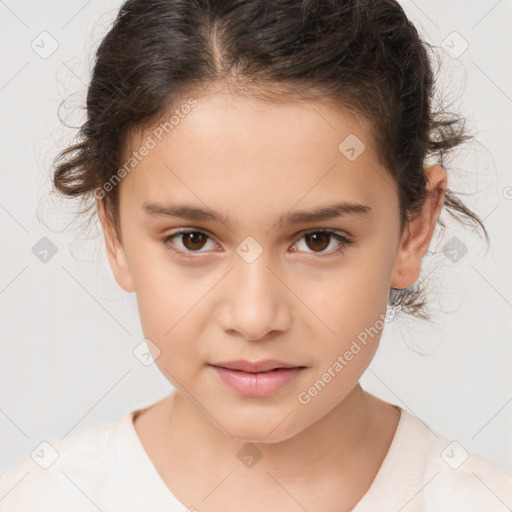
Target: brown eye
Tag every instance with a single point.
(187, 242)
(318, 241)
(194, 240)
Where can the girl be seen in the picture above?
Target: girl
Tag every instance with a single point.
(268, 177)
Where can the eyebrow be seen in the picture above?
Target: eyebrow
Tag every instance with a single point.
(194, 213)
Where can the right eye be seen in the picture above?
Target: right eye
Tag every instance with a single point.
(191, 241)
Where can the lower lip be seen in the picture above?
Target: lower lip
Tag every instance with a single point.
(257, 384)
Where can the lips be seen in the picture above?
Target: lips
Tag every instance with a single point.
(256, 367)
(257, 379)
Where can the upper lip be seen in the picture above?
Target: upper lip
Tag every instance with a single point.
(258, 366)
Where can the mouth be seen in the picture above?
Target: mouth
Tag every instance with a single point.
(260, 379)
(257, 366)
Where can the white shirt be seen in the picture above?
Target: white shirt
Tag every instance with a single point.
(107, 469)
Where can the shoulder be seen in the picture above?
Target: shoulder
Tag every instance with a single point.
(463, 480)
(60, 473)
(456, 479)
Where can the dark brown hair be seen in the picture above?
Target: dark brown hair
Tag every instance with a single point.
(365, 57)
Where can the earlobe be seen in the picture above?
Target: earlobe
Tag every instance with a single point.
(115, 252)
(419, 231)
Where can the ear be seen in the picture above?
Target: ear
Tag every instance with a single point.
(115, 251)
(419, 230)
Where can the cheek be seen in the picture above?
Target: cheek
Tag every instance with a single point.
(346, 312)
(171, 320)
(349, 296)
(169, 304)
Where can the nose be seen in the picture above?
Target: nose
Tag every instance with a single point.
(256, 302)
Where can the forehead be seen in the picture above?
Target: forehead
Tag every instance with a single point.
(235, 150)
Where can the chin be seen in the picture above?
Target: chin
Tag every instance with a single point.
(264, 430)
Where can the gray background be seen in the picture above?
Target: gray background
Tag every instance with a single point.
(68, 331)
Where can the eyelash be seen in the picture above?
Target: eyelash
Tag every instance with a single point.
(344, 241)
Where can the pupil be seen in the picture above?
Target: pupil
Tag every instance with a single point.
(194, 238)
(322, 236)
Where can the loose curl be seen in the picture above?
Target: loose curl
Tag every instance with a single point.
(364, 57)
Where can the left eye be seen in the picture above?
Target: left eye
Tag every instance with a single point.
(194, 240)
(321, 239)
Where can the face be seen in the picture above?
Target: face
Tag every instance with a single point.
(259, 277)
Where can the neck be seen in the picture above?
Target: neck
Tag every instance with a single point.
(310, 452)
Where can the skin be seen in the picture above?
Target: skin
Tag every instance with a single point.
(252, 162)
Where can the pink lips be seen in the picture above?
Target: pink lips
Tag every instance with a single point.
(258, 379)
